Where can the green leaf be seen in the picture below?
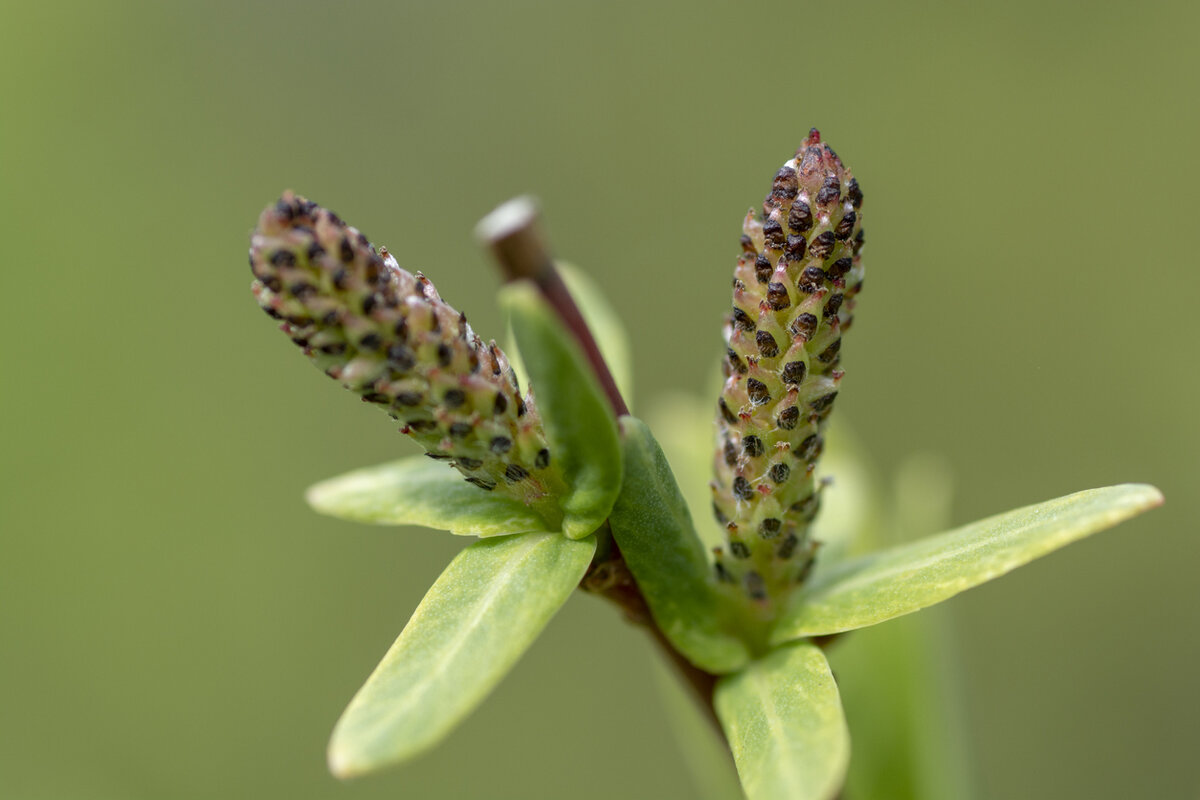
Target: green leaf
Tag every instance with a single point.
(579, 422)
(418, 491)
(869, 590)
(475, 622)
(651, 524)
(783, 719)
(605, 325)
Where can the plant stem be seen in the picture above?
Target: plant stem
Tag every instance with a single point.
(515, 239)
(517, 244)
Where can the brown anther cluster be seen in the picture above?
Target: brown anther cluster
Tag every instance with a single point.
(387, 335)
(793, 297)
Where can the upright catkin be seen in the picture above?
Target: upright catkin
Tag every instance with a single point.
(794, 290)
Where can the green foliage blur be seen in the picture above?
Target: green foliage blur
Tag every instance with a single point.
(176, 623)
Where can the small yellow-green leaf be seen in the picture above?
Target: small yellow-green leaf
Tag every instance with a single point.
(605, 325)
(418, 491)
(579, 423)
(475, 622)
(653, 528)
(906, 578)
(783, 718)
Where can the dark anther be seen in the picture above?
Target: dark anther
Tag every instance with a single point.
(520, 406)
(542, 460)
(736, 364)
(729, 451)
(273, 283)
(747, 244)
(830, 353)
(436, 456)
(789, 417)
(767, 346)
(369, 303)
(742, 320)
(753, 446)
(787, 547)
(846, 226)
(739, 550)
(420, 425)
(831, 191)
(780, 472)
(763, 269)
(807, 508)
(777, 296)
(376, 397)
(346, 251)
(409, 399)
(800, 217)
(804, 326)
(340, 278)
(821, 246)
(796, 245)
(482, 483)
(728, 415)
(810, 448)
(401, 358)
(742, 488)
(773, 234)
(514, 473)
(370, 342)
(723, 575)
(444, 355)
(314, 251)
(334, 349)
(786, 181)
(859, 239)
(853, 193)
(501, 444)
(794, 372)
(301, 290)
(459, 430)
(840, 267)
(468, 463)
(501, 404)
(283, 258)
(823, 403)
(453, 398)
(759, 394)
(834, 304)
(769, 528)
(718, 514)
(810, 280)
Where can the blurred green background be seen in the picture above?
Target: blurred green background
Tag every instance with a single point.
(176, 623)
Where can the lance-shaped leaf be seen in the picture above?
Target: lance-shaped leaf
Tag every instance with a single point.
(417, 491)
(475, 622)
(578, 421)
(651, 524)
(783, 718)
(907, 578)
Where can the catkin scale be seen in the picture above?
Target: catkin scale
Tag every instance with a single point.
(794, 291)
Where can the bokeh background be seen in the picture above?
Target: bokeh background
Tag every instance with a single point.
(174, 622)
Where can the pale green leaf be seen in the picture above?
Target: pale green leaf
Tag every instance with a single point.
(783, 719)
(653, 528)
(900, 580)
(579, 423)
(605, 325)
(476, 621)
(419, 491)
